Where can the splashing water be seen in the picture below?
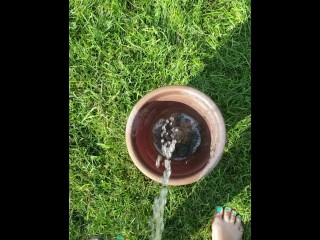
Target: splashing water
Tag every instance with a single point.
(184, 129)
(167, 148)
(158, 161)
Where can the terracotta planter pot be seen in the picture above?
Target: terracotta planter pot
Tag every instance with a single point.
(163, 103)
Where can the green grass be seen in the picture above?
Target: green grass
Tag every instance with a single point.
(121, 50)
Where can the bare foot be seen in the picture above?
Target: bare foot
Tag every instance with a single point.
(226, 225)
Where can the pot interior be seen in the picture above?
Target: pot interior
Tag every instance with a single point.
(146, 145)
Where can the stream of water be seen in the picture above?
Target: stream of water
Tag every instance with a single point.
(167, 148)
(176, 138)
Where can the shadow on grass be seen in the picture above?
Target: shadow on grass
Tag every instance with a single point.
(226, 79)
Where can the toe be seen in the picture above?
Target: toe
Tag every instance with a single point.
(217, 217)
(233, 216)
(218, 212)
(239, 222)
(226, 214)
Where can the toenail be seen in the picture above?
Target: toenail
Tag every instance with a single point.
(234, 212)
(218, 208)
(239, 216)
(228, 208)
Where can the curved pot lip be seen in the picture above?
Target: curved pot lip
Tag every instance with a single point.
(214, 155)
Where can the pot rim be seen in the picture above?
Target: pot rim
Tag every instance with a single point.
(215, 151)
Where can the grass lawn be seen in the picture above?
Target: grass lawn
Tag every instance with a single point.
(119, 51)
